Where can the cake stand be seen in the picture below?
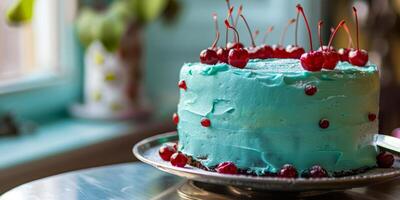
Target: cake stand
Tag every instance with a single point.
(147, 151)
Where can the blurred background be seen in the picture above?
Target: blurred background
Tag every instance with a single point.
(83, 80)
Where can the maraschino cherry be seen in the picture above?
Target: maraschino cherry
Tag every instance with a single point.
(223, 53)
(313, 60)
(209, 56)
(254, 51)
(344, 52)
(358, 57)
(279, 50)
(235, 43)
(295, 51)
(331, 57)
(238, 57)
(267, 51)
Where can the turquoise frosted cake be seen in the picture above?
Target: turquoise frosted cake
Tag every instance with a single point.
(274, 112)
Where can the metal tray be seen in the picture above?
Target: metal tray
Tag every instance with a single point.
(147, 151)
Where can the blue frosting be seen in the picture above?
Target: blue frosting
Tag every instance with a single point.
(261, 118)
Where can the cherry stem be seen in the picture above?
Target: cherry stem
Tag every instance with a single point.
(334, 33)
(228, 3)
(240, 11)
(230, 11)
(256, 33)
(320, 23)
(296, 29)
(237, 20)
(226, 36)
(269, 30)
(301, 10)
(290, 22)
(215, 18)
(248, 28)
(234, 29)
(356, 16)
(346, 28)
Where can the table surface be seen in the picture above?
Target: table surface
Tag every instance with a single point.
(139, 181)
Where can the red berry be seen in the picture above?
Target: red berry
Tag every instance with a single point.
(312, 61)
(294, 52)
(279, 51)
(222, 54)
(253, 52)
(371, 117)
(385, 160)
(288, 171)
(317, 171)
(324, 123)
(209, 57)
(175, 118)
(326, 48)
(227, 168)
(238, 58)
(205, 122)
(358, 57)
(234, 45)
(178, 159)
(182, 85)
(166, 151)
(344, 54)
(310, 90)
(331, 58)
(265, 52)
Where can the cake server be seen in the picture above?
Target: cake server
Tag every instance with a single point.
(388, 143)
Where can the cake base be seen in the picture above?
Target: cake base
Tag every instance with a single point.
(248, 172)
(147, 152)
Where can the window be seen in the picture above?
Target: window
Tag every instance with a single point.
(30, 49)
(39, 58)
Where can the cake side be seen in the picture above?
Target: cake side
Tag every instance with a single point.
(261, 118)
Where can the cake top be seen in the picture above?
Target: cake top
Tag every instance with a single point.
(325, 58)
(282, 66)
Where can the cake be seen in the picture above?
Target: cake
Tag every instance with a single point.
(274, 112)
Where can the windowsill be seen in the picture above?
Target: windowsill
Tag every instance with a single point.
(61, 137)
(31, 81)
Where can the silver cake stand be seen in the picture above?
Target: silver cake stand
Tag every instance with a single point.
(147, 151)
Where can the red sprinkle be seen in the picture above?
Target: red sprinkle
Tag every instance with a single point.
(205, 122)
(371, 117)
(175, 118)
(227, 168)
(324, 123)
(178, 159)
(182, 85)
(310, 90)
